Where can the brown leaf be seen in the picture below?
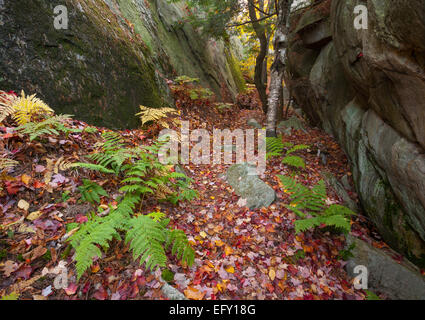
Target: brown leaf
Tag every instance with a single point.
(194, 294)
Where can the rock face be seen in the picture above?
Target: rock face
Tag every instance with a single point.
(114, 56)
(246, 183)
(367, 88)
(385, 275)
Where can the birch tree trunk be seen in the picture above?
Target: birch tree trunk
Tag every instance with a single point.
(278, 66)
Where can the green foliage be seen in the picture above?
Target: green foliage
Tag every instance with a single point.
(200, 93)
(142, 174)
(91, 130)
(371, 296)
(111, 155)
(294, 161)
(212, 16)
(50, 126)
(223, 106)
(167, 275)
(98, 231)
(12, 296)
(148, 237)
(91, 191)
(66, 196)
(310, 205)
(346, 254)
(276, 147)
(186, 80)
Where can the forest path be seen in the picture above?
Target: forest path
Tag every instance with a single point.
(240, 253)
(255, 254)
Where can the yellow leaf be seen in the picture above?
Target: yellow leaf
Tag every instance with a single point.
(203, 234)
(219, 243)
(25, 229)
(272, 274)
(221, 287)
(228, 251)
(230, 269)
(34, 215)
(26, 179)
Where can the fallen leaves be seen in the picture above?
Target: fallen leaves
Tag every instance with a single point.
(22, 204)
(194, 294)
(34, 215)
(9, 267)
(272, 274)
(240, 253)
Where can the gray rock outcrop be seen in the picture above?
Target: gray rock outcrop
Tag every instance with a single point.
(246, 183)
(114, 56)
(397, 280)
(367, 88)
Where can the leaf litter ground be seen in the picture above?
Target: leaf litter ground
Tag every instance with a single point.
(240, 254)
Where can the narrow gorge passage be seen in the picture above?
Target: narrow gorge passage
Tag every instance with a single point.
(214, 150)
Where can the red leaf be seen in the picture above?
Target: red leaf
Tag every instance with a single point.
(101, 294)
(72, 288)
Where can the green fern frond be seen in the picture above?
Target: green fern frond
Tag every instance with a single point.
(46, 127)
(336, 209)
(96, 232)
(91, 191)
(294, 161)
(337, 221)
(297, 148)
(146, 239)
(274, 146)
(157, 216)
(181, 247)
(306, 224)
(306, 202)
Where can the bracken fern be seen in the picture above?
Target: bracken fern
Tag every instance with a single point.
(310, 205)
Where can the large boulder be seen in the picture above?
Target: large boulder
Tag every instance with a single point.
(245, 181)
(386, 61)
(114, 56)
(395, 279)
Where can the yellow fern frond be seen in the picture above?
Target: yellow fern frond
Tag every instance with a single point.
(62, 165)
(27, 107)
(152, 114)
(6, 108)
(7, 163)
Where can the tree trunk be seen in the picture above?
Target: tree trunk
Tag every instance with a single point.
(278, 67)
(260, 32)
